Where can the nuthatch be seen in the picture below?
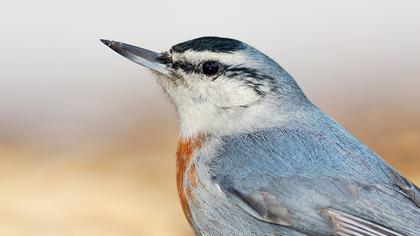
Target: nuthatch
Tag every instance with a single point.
(256, 157)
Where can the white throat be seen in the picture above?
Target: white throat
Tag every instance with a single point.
(208, 119)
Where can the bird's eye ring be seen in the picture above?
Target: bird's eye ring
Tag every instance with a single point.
(210, 68)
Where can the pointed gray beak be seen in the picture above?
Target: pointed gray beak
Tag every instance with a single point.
(139, 55)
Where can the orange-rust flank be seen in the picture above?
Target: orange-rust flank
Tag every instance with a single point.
(192, 175)
(192, 178)
(186, 148)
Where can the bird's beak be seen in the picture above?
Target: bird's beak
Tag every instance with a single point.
(139, 55)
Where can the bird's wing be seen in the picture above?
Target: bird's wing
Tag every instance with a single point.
(409, 189)
(325, 206)
(319, 181)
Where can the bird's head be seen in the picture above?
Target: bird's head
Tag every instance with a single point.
(220, 85)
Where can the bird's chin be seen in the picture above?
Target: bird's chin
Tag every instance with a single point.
(169, 79)
(168, 85)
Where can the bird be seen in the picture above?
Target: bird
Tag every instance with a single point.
(256, 157)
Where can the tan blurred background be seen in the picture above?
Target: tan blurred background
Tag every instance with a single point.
(87, 139)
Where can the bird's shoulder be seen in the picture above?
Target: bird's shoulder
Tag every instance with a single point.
(306, 150)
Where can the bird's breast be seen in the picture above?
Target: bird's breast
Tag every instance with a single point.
(186, 170)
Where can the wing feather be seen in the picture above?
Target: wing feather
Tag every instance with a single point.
(347, 224)
(326, 206)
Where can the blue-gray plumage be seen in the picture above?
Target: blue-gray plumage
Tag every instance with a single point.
(311, 167)
(256, 157)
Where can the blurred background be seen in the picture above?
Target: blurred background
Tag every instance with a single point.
(87, 138)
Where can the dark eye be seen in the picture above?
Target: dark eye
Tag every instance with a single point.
(211, 67)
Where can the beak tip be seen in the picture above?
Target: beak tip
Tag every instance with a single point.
(109, 43)
(104, 41)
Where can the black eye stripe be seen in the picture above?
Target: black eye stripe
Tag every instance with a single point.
(188, 67)
(165, 58)
(185, 66)
(233, 71)
(228, 70)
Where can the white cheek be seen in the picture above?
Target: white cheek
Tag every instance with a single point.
(214, 109)
(220, 106)
(230, 93)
